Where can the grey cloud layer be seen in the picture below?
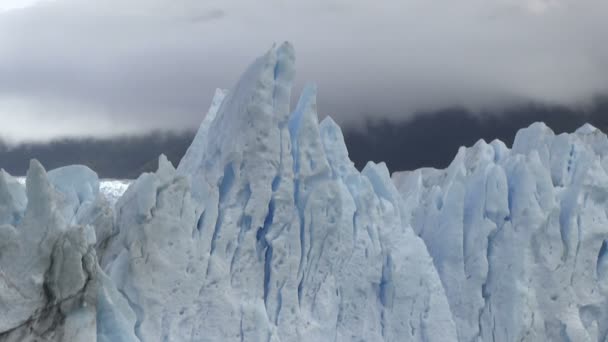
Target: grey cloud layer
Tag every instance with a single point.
(76, 67)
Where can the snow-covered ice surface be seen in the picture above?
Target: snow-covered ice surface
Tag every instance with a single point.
(111, 189)
(265, 231)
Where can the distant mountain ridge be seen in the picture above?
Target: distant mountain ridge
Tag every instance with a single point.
(432, 139)
(122, 157)
(396, 143)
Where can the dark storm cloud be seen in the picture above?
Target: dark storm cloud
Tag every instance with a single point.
(80, 67)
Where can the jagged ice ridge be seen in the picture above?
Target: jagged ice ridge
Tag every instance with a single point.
(265, 231)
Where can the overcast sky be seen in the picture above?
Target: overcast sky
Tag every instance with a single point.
(104, 67)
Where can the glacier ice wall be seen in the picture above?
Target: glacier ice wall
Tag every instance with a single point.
(265, 231)
(518, 235)
(47, 260)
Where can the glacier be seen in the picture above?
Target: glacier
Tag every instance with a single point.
(265, 231)
(518, 235)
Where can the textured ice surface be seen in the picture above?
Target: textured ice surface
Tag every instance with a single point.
(47, 266)
(519, 236)
(265, 231)
(280, 235)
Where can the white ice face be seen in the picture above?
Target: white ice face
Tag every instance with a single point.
(265, 231)
(518, 235)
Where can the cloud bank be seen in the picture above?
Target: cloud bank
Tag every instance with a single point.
(107, 67)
